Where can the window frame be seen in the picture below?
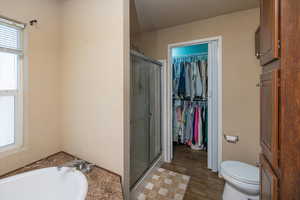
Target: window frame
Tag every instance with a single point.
(18, 92)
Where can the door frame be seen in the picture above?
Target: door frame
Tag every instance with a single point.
(164, 110)
(167, 83)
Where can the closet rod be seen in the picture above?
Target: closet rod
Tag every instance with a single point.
(189, 99)
(135, 53)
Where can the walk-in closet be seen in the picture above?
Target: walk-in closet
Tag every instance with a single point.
(190, 80)
(195, 107)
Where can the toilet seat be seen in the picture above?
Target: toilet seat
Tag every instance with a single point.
(241, 172)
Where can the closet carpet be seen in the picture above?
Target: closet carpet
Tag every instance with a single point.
(204, 184)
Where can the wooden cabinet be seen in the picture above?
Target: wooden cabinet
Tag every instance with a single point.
(269, 182)
(269, 31)
(269, 115)
(267, 50)
(280, 100)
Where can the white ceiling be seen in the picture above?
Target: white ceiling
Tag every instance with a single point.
(157, 14)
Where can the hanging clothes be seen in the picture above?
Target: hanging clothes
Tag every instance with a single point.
(200, 125)
(176, 77)
(205, 127)
(187, 79)
(189, 104)
(190, 76)
(202, 67)
(190, 123)
(196, 126)
(197, 80)
(181, 87)
(176, 122)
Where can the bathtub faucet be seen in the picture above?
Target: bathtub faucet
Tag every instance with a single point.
(80, 165)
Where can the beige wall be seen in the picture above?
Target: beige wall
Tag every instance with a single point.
(41, 114)
(77, 58)
(93, 81)
(240, 73)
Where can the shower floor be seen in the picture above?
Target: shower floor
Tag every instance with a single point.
(204, 184)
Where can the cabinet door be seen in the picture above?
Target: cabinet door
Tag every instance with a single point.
(269, 31)
(268, 181)
(269, 111)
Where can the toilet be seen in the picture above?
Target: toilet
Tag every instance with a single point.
(241, 181)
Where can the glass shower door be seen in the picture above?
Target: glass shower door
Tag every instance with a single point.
(145, 133)
(140, 111)
(155, 109)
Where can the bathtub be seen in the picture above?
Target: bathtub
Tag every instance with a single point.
(45, 184)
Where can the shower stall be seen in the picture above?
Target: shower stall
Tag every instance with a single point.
(145, 115)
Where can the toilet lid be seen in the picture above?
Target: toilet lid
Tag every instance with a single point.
(241, 171)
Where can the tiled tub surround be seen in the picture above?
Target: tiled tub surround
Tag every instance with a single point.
(103, 185)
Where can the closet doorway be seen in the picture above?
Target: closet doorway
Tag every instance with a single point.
(194, 100)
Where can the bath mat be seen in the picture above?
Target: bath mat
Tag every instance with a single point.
(163, 184)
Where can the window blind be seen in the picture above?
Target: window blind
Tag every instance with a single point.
(10, 38)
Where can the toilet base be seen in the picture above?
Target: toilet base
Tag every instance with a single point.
(231, 193)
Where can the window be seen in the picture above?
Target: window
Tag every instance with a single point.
(11, 56)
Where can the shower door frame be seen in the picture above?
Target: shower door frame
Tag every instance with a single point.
(167, 134)
(158, 159)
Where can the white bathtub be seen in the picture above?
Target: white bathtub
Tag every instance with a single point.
(45, 184)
